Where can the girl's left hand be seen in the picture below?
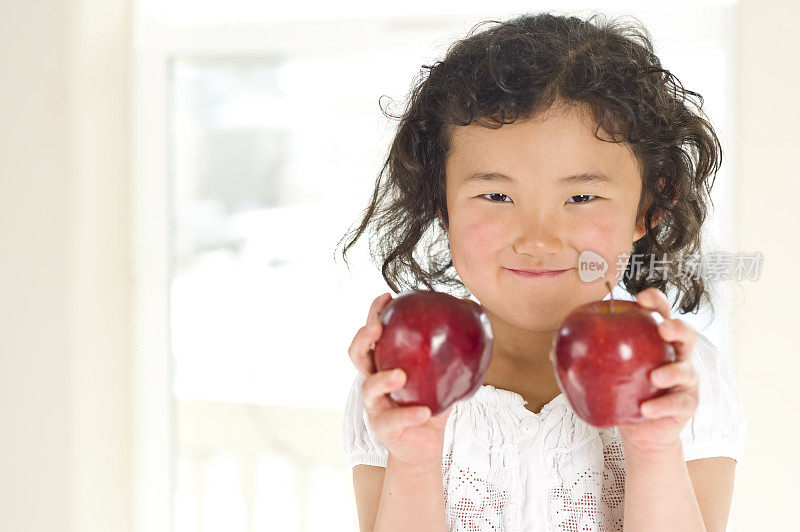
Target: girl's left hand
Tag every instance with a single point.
(666, 415)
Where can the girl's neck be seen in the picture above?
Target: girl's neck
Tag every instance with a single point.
(520, 363)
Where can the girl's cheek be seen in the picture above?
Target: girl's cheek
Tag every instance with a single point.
(473, 245)
(606, 239)
(597, 237)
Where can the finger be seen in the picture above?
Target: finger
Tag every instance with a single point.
(682, 335)
(376, 386)
(655, 299)
(398, 418)
(677, 404)
(681, 373)
(359, 349)
(377, 305)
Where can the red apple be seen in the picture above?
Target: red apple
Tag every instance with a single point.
(443, 343)
(604, 352)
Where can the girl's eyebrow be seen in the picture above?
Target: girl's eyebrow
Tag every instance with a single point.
(583, 177)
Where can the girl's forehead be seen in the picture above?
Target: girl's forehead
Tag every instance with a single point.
(554, 144)
(558, 125)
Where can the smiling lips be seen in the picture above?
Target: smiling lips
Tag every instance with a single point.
(537, 273)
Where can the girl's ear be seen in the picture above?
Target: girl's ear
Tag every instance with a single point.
(640, 230)
(439, 214)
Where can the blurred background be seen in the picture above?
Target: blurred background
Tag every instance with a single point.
(174, 176)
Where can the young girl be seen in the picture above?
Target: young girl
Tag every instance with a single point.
(532, 142)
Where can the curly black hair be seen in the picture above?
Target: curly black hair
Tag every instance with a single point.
(517, 69)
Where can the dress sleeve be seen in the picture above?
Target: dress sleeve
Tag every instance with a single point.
(361, 445)
(718, 427)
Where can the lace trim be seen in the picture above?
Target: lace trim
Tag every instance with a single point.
(592, 500)
(474, 504)
(575, 507)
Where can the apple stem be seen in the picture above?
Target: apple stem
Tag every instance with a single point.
(611, 291)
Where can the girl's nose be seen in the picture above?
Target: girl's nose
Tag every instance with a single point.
(538, 237)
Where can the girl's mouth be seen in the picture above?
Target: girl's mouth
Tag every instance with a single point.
(537, 274)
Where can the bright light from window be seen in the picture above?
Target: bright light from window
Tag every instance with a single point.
(202, 12)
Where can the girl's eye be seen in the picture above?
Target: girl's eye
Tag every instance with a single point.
(493, 201)
(583, 200)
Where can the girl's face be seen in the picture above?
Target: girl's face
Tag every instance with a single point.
(535, 218)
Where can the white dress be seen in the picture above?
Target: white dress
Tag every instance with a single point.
(506, 468)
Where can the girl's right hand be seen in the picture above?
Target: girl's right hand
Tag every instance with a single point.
(409, 433)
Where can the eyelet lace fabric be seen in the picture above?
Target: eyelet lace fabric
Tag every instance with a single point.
(507, 468)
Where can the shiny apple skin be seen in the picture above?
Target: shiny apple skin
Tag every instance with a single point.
(443, 343)
(603, 360)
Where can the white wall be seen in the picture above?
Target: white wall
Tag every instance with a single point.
(64, 364)
(767, 492)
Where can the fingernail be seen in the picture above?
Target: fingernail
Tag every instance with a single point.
(397, 374)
